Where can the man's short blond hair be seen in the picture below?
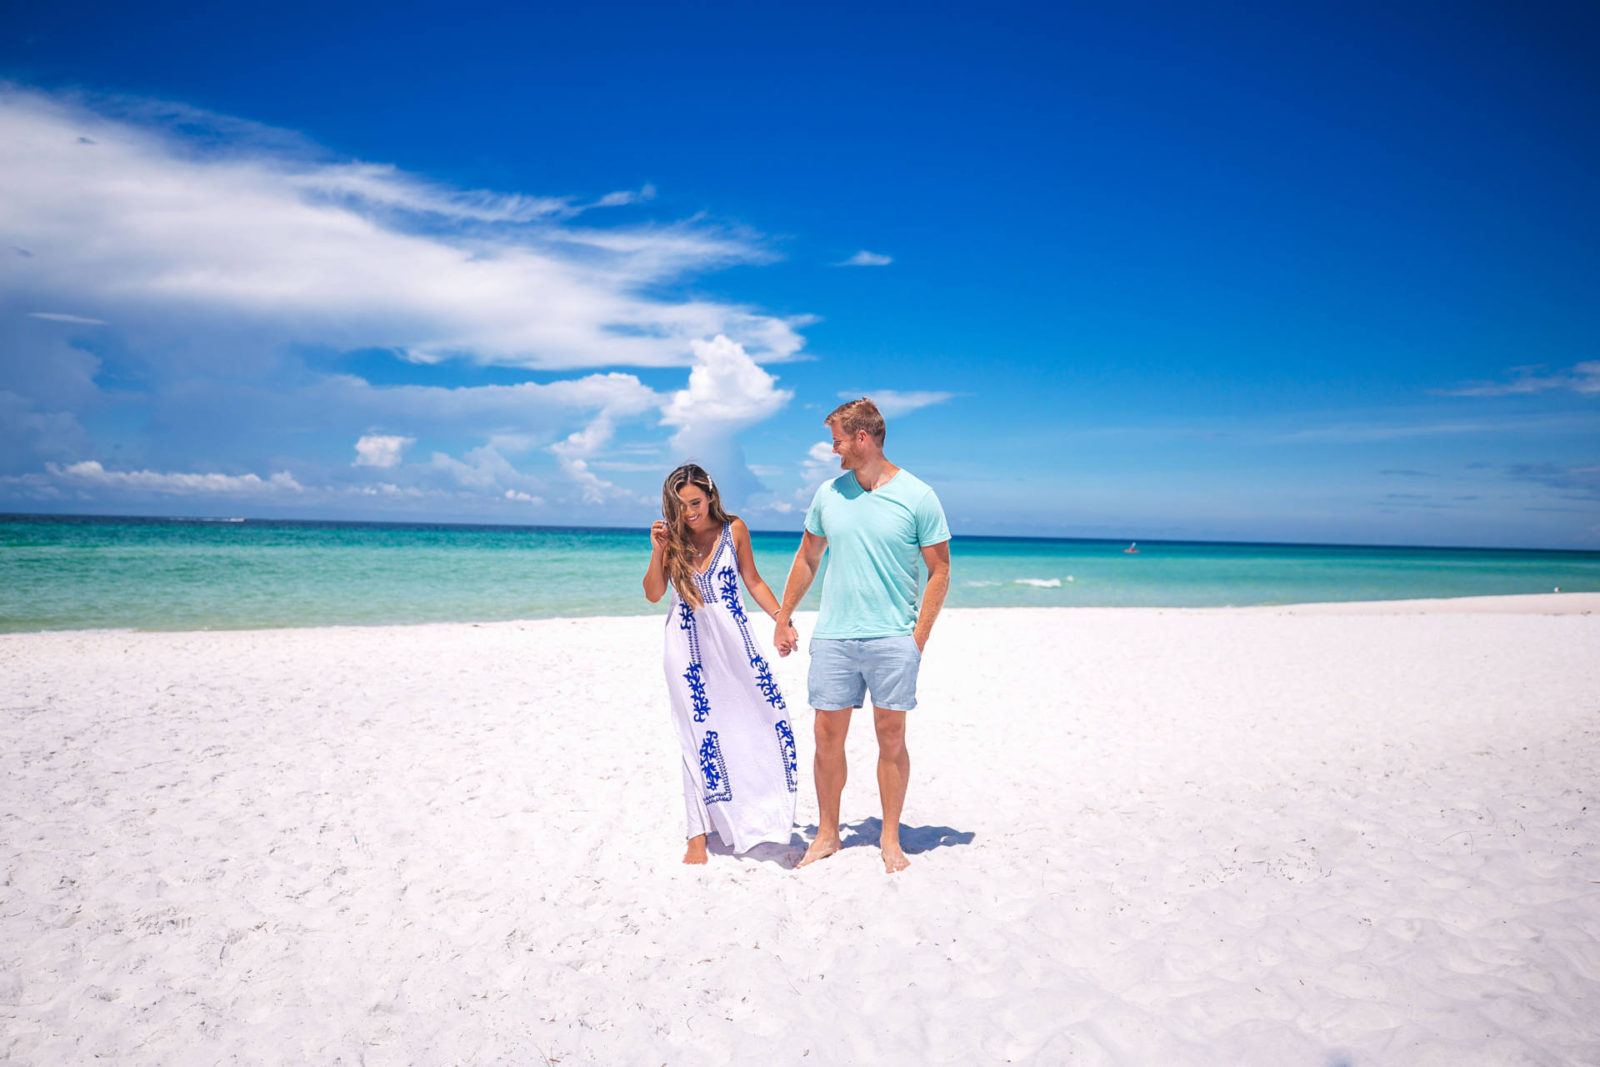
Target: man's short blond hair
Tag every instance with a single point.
(856, 415)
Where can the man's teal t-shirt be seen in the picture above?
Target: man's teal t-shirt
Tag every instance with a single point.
(874, 553)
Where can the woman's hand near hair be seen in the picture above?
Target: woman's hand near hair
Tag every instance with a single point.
(655, 579)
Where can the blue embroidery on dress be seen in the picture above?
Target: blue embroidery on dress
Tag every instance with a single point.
(730, 594)
(714, 770)
(786, 749)
(697, 692)
(767, 684)
(697, 684)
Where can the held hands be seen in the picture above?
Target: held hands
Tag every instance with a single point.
(785, 638)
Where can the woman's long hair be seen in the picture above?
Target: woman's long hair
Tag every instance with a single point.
(680, 549)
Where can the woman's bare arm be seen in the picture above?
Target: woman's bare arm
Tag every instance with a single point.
(655, 579)
(747, 569)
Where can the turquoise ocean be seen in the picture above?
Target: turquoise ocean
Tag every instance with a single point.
(59, 572)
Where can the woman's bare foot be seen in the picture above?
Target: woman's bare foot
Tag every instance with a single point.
(696, 852)
(821, 848)
(893, 859)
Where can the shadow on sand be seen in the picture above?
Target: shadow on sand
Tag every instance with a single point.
(913, 839)
(784, 855)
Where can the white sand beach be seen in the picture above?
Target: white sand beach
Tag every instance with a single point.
(1269, 836)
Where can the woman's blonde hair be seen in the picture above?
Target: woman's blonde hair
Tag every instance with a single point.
(680, 549)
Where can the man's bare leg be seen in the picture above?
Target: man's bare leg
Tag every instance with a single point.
(829, 770)
(894, 771)
(696, 850)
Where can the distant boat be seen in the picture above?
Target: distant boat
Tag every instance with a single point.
(1132, 549)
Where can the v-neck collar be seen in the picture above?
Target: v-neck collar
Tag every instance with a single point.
(880, 488)
(715, 552)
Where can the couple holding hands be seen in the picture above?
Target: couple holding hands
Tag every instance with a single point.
(739, 769)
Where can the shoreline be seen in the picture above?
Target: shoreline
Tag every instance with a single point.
(1576, 603)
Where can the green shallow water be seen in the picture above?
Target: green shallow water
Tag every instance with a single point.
(95, 573)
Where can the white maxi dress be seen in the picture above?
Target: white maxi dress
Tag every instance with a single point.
(739, 773)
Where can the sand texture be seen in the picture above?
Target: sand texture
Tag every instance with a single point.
(1137, 837)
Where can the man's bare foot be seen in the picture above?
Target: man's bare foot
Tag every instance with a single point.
(893, 859)
(820, 849)
(696, 852)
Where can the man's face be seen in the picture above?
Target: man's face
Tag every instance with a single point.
(846, 447)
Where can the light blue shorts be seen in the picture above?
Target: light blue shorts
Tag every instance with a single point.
(843, 670)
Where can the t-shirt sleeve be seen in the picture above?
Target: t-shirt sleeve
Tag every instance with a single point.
(931, 526)
(814, 513)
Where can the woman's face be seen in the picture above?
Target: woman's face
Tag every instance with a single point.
(694, 503)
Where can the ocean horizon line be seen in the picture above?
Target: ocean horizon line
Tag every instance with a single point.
(429, 524)
(181, 572)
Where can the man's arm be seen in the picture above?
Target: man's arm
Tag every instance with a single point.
(937, 557)
(804, 571)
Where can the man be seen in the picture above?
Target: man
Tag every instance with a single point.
(875, 520)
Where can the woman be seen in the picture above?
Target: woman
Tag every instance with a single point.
(738, 749)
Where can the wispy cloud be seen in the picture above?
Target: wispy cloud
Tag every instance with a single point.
(893, 402)
(56, 316)
(129, 210)
(366, 186)
(864, 258)
(215, 251)
(91, 474)
(1581, 378)
(628, 196)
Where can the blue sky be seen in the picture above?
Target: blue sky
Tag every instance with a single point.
(1249, 272)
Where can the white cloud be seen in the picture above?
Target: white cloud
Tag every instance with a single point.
(1582, 378)
(893, 402)
(91, 474)
(524, 498)
(376, 450)
(726, 389)
(819, 465)
(726, 392)
(56, 316)
(864, 258)
(175, 233)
